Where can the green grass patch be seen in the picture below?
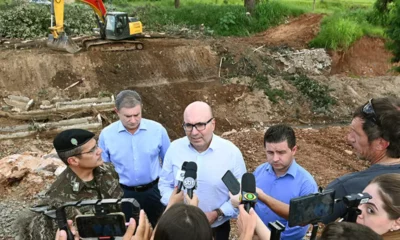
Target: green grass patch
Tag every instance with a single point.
(222, 20)
(342, 29)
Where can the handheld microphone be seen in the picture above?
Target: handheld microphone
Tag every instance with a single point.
(181, 176)
(190, 178)
(249, 195)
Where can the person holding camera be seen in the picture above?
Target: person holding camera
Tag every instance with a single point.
(382, 212)
(86, 177)
(281, 179)
(375, 137)
(179, 221)
(136, 147)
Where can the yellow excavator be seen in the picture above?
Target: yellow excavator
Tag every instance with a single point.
(117, 30)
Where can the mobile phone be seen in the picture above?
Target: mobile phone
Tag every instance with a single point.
(231, 182)
(311, 208)
(109, 225)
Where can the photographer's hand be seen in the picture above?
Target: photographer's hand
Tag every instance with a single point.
(144, 230)
(246, 223)
(62, 235)
(175, 198)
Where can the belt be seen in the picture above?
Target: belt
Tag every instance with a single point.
(140, 188)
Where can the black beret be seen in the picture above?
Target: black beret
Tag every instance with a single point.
(71, 139)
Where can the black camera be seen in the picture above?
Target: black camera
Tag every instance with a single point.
(312, 208)
(103, 224)
(351, 202)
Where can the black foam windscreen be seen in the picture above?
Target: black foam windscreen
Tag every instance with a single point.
(248, 183)
(191, 170)
(184, 166)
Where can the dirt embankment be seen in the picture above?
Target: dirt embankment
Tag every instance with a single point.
(171, 73)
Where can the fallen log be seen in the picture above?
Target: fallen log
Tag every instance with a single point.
(84, 101)
(28, 127)
(51, 128)
(87, 126)
(46, 114)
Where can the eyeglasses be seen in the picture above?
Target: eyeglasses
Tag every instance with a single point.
(369, 112)
(200, 126)
(90, 151)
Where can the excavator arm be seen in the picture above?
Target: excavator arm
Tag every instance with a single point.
(58, 39)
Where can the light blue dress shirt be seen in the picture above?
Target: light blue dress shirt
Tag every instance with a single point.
(221, 156)
(296, 182)
(137, 157)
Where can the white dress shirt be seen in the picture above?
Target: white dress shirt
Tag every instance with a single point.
(221, 156)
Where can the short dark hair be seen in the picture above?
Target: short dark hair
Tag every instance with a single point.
(279, 133)
(348, 231)
(387, 124)
(67, 154)
(183, 221)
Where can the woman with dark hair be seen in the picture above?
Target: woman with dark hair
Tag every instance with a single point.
(382, 212)
(348, 231)
(183, 221)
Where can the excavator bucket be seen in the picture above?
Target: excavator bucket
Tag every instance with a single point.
(62, 43)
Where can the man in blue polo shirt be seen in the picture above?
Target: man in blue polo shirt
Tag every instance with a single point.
(136, 146)
(281, 179)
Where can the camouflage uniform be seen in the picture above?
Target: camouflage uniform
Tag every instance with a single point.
(69, 187)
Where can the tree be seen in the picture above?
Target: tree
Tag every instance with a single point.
(250, 5)
(177, 3)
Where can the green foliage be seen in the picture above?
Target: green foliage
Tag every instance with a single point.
(393, 33)
(316, 92)
(261, 82)
(341, 29)
(33, 20)
(337, 33)
(223, 20)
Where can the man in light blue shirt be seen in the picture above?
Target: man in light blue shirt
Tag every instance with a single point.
(281, 179)
(136, 146)
(214, 156)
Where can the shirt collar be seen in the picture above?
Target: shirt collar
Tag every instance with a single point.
(213, 145)
(77, 184)
(142, 126)
(291, 171)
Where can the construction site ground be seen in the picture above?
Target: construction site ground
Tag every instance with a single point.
(172, 72)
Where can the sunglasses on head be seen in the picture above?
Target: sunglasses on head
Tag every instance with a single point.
(369, 112)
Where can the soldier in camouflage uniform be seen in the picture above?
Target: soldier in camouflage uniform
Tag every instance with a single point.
(86, 177)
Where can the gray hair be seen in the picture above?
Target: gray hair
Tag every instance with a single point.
(67, 154)
(128, 99)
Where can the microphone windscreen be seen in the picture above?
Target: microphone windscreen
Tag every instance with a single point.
(184, 166)
(248, 183)
(191, 170)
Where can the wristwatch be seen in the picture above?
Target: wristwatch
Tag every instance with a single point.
(220, 214)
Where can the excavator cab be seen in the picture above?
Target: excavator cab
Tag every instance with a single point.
(120, 27)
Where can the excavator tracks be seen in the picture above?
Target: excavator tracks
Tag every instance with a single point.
(111, 46)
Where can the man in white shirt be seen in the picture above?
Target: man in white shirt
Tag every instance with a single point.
(214, 156)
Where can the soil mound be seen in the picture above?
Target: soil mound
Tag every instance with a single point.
(367, 57)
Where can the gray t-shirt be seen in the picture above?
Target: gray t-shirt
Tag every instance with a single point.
(355, 183)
